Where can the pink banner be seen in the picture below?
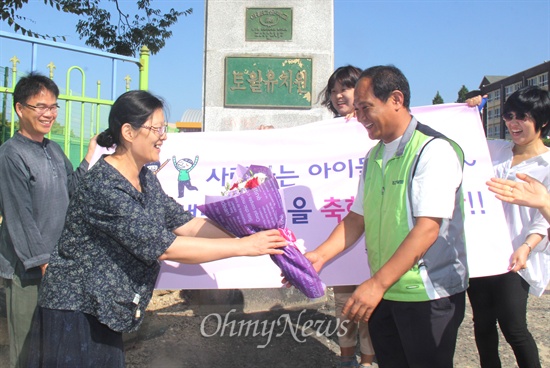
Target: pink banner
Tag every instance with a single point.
(317, 167)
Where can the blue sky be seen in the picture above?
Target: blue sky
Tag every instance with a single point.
(440, 45)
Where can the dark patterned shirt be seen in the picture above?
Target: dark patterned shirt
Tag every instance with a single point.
(106, 262)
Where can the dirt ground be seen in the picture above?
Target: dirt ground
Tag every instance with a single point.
(174, 334)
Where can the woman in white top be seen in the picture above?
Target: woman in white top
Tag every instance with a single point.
(503, 298)
(530, 192)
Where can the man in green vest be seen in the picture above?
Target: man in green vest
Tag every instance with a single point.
(409, 206)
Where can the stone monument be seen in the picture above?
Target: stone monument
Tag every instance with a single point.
(266, 61)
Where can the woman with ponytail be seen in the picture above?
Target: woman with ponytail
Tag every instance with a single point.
(119, 225)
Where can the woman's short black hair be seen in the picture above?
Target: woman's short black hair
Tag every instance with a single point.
(533, 101)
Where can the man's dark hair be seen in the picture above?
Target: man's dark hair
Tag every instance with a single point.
(31, 85)
(386, 79)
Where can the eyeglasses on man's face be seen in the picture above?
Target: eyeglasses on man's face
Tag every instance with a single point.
(509, 116)
(41, 109)
(160, 131)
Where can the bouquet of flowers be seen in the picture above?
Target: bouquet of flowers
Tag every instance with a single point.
(253, 203)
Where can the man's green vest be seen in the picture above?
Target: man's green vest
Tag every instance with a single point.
(442, 271)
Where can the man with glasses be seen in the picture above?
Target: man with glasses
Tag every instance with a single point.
(36, 181)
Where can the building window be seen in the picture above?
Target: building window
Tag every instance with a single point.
(512, 88)
(490, 114)
(497, 94)
(543, 80)
(508, 91)
(497, 113)
(532, 81)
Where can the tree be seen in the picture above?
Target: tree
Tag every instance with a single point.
(438, 100)
(59, 129)
(462, 94)
(5, 128)
(147, 27)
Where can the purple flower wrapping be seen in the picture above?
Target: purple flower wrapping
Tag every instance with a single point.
(297, 269)
(261, 208)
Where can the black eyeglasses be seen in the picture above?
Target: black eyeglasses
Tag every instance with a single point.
(41, 109)
(161, 130)
(509, 116)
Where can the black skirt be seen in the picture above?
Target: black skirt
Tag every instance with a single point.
(72, 339)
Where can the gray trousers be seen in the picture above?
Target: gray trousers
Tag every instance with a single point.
(21, 301)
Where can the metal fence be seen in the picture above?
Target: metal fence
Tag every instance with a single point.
(82, 114)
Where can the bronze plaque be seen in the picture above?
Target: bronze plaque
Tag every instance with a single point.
(268, 24)
(268, 82)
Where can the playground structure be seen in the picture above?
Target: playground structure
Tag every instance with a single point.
(81, 115)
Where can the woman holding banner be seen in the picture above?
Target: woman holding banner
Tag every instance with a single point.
(503, 298)
(338, 98)
(119, 225)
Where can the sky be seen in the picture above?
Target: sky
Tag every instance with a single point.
(439, 45)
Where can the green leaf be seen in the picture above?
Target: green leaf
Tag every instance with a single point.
(125, 34)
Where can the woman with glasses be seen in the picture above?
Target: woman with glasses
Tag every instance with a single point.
(503, 298)
(119, 225)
